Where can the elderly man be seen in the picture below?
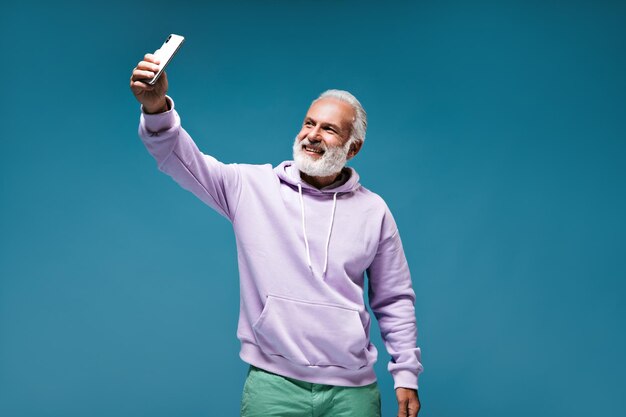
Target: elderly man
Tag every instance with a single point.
(306, 233)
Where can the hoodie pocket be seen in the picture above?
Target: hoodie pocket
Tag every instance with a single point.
(309, 333)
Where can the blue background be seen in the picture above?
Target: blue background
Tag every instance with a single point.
(496, 137)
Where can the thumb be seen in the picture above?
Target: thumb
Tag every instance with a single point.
(403, 407)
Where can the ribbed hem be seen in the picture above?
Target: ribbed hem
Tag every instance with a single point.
(404, 379)
(159, 122)
(328, 375)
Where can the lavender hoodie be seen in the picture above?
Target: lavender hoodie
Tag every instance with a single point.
(302, 255)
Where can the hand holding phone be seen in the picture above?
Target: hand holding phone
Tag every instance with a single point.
(144, 81)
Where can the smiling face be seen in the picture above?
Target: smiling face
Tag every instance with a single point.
(323, 145)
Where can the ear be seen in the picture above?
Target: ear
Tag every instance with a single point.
(354, 149)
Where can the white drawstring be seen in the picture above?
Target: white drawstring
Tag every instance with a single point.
(330, 228)
(306, 241)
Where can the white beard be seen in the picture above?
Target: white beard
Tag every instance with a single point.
(330, 163)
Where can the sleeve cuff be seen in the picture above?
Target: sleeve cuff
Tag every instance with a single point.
(405, 379)
(159, 122)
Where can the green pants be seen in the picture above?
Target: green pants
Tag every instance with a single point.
(269, 395)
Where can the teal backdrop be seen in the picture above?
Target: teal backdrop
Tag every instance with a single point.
(496, 136)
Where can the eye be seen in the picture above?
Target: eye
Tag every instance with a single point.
(308, 123)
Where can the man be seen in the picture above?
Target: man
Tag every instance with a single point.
(306, 233)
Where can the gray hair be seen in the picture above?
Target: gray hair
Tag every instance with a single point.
(359, 124)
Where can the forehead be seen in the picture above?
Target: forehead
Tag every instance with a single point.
(330, 110)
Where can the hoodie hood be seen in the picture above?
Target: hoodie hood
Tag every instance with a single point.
(288, 173)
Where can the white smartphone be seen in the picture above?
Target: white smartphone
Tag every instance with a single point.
(165, 54)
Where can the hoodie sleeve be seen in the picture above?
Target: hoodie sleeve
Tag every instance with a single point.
(216, 184)
(392, 300)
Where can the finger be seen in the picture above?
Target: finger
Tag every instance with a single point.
(147, 66)
(151, 58)
(402, 408)
(142, 75)
(138, 85)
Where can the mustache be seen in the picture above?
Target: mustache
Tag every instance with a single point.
(317, 145)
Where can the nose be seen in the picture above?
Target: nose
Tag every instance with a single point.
(314, 134)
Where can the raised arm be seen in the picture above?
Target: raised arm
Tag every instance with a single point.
(216, 184)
